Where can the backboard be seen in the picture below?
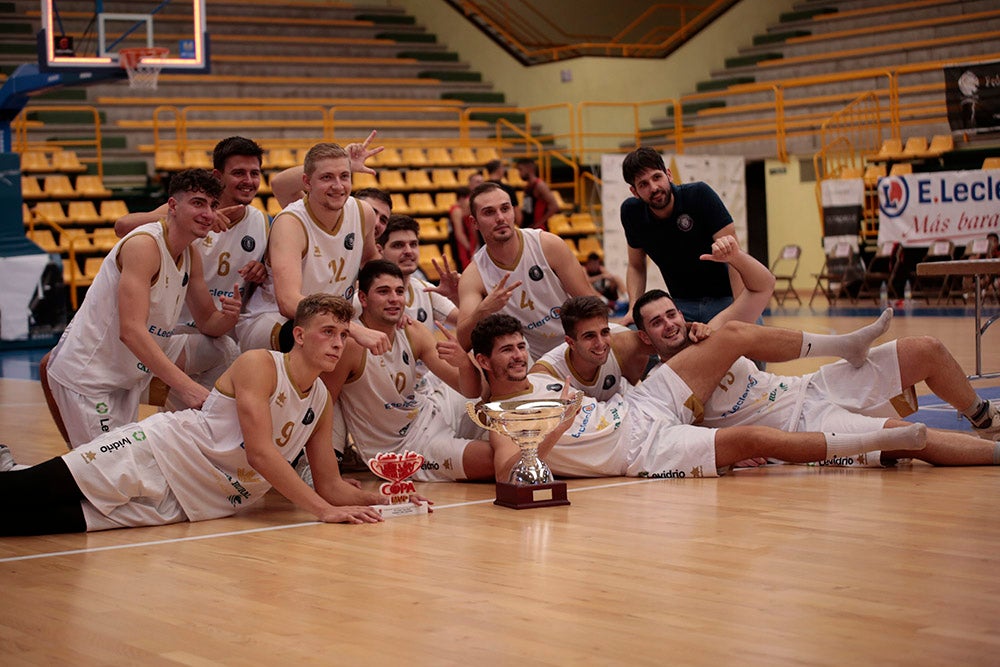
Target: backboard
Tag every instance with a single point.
(78, 36)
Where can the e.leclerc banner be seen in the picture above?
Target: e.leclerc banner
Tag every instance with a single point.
(915, 209)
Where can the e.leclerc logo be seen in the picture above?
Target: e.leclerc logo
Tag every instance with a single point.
(893, 196)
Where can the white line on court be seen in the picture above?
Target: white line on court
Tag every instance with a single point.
(270, 528)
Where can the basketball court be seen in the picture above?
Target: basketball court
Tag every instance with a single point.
(777, 565)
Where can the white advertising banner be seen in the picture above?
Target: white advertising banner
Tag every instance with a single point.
(916, 209)
(726, 175)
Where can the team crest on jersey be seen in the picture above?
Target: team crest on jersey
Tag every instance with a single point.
(609, 381)
(349, 292)
(248, 243)
(555, 386)
(349, 241)
(310, 416)
(535, 273)
(685, 222)
(184, 280)
(421, 315)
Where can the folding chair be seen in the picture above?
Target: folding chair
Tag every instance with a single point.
(838, 262)
(882, 269)
(785, 268)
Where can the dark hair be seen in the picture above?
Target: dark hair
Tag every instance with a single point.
(577, 308)
(491, 327)
(481, 189)
(195, 180)
(648, 297)
(374, 193)
(398, 223)
(593, 255)
(231, 146)
(527, 161)
(493, 165)
(373, 269)
(462, 191)
(639, 161)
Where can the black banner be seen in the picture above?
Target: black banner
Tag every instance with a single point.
(972, 93)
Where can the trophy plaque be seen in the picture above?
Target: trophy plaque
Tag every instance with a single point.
(395, 468)
(527, 422)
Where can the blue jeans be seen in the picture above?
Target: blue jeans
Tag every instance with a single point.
(704, 309)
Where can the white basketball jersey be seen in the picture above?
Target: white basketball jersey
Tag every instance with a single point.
(381, 402)
(90, 357)
(425, 307)
(202, 455)
(330, 261)
(603, 386)
(537, 302)
(594, 446)
(223, 254)
(746, 395)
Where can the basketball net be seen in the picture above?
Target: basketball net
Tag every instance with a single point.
(142, 74)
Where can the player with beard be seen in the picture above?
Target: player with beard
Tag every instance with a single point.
(647, 431)
(526, 273)
(674, 225)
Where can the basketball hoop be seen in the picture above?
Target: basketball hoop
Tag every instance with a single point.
(142, 74)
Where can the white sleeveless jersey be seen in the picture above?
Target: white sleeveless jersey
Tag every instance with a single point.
(90, 357)
(223, 254)
(747, 395)
(537, 301)
(607, 382)
(595, 445)
(425, 307)
(330, 262)
(381, 403)
(202, 455)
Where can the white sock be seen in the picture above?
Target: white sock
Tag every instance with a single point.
(851, 346)
(912, 437)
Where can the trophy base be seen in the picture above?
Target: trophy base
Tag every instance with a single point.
(401, 509)
(528, 497)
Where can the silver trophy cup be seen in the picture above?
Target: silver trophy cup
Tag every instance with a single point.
(527, 422)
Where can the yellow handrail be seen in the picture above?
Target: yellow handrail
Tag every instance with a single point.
(21, 127)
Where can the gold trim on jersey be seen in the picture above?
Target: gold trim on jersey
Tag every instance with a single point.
(517, 258)
(291, 381)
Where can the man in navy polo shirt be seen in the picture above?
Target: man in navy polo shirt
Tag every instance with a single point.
(675, 225)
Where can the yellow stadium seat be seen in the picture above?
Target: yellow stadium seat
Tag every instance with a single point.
(167, 160)
(83, 213)
(444, 201)
(35, 161)
(439, 157)
(391, 179)
(113, 209)
(514, 178)
(991, 163)
(279, 158)
(258, 204)
(431, 230)
(901, 168)
(30, 189)
(387, 158)
(273, 206)
(67, 162)
(417, 179)
(78, 240)
(464, 156)
(51, 211)
(105, 239)
(587, 245)
(59, 187)
(362, 180)
(559, 225)
(464, 174)
(399, 204)
(421, 204)
(414, 157)
(429, 253)
(487, 153)
(197, 159)
(444, 179)
(583, 223)
(91, 186)
(46, 240)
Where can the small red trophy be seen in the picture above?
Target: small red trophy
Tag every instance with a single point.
(395, 468)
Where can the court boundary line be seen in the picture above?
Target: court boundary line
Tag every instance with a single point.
(265, 529)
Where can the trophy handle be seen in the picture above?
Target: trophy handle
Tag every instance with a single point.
(474, 415)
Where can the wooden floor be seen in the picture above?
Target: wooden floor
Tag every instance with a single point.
(781, 565)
